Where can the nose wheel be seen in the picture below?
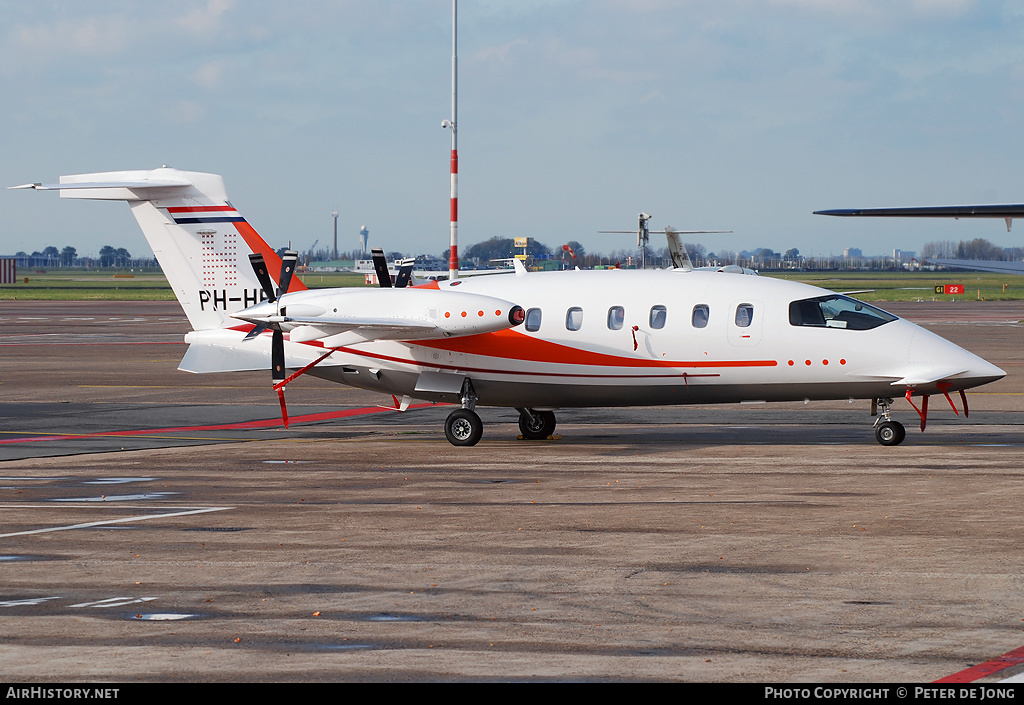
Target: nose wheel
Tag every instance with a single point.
(890, 433)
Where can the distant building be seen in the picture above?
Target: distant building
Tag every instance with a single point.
(852, 252)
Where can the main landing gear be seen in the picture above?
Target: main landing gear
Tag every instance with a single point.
(463, 427)
(887, 431)
(536, 425)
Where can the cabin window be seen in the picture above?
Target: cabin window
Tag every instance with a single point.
(744, 315)
(658, 315)
(837, 311)
(616, 317)
(533, 320)
(574, 318)
(700, 316)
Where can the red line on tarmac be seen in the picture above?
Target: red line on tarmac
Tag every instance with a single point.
(49, 344)
(244, 425)
(969, 675)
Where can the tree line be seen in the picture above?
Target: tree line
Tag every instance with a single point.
(109, 257)
(978, 248)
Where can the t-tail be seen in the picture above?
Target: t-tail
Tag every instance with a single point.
(201, 241)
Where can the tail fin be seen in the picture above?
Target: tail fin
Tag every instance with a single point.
(200, 240)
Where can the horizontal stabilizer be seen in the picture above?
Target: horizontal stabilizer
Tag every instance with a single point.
(133, 185)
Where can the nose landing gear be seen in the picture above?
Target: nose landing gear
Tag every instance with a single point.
(887, 431)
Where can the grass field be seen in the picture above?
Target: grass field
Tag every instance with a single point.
(77, 285)
(915, 286)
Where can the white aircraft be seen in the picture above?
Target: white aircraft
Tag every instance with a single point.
(533, 341)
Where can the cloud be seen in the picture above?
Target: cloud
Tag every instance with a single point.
(90, 36)
(206, 17)
(209, 75)
(883, 8)
(185, 112)
(498, 54)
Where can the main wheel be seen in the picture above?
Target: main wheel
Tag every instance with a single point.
(890, 433)
(539, 426)
(463, 428)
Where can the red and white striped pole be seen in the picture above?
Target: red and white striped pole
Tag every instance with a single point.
(453, 252)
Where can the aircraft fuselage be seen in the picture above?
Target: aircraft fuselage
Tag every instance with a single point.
(625, 338)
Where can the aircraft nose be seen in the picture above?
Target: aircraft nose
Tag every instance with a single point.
(982, 371)
(939, 360)
(977, 370)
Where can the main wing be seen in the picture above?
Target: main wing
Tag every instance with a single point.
(1005, 211)
(982, 265)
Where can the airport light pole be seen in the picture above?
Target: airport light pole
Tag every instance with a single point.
(453, 251)
(335, 215)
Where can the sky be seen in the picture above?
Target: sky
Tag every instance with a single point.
(574, 115)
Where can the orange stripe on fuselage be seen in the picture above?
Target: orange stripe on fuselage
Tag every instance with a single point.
(273, 262)
(512, 345)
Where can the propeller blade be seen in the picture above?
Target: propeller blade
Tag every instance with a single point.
(260, 267)
(380, 266)
(404, 277)
(277, 356)
(256, 331)
(288, 261)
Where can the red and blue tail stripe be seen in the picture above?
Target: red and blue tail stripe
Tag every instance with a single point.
(205, 214)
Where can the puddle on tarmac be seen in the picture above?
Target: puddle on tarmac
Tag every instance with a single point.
(395, 618)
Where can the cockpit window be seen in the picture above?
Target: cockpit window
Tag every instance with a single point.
(837, 311)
